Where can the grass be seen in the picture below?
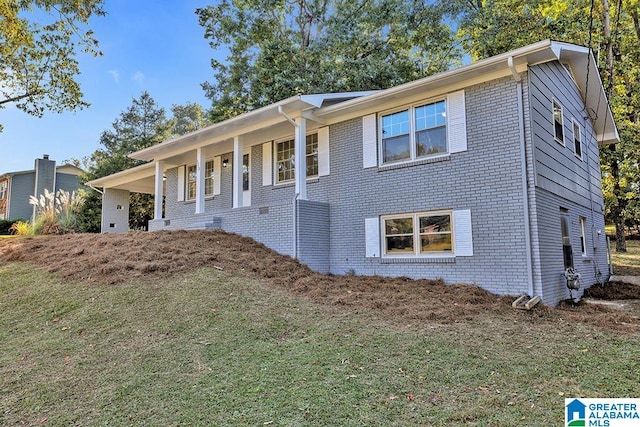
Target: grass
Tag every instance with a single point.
(210, 349)
(627, 264)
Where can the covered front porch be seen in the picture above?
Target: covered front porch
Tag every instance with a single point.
(225, 177)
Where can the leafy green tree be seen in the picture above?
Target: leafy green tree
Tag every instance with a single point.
(142, 125)
(187, 118)
(281, 48)
(39, 40)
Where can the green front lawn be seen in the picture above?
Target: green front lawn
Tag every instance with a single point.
(211, 349)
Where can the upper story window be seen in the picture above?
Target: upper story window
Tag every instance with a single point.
(285, 158)
(558, 123)
(3, 190)
(192, 178)
(418, 234)
(577, 139)
(414, 133)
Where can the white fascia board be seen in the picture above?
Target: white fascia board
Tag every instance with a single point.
(584, 67)
(482, 70)
(487, 70)
(318, 99)
(239, 125)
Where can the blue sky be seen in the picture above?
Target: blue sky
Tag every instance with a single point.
(152, 45)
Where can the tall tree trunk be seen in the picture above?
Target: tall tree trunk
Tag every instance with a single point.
(617, 211)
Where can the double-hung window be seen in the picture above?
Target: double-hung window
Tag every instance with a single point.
(285, 158)
(418, 234)
(192, 177)
(577, 140)
(414, 133)
(558, 123)
(3, 190)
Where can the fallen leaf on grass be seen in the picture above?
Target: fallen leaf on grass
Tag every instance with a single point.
(410, 396)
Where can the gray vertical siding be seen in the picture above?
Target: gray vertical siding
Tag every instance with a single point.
(22, 185)
(67, 182)
(564, 181)
(45, 171)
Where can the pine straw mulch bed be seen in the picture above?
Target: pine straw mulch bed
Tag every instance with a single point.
(110, 259)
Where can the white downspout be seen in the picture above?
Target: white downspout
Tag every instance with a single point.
(94, 188)
(523, 160)
(295, 228)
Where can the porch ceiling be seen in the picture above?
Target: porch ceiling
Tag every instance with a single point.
(140, 179)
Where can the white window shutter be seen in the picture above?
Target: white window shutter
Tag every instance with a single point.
(267, 163)
(372, 237)
(463, 240)
(217, 174)
(323, 151)
(369, 141)
(181, 172)
(456, 122)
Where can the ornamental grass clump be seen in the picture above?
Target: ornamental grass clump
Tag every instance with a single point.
(56, 213)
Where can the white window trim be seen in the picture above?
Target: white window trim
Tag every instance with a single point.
(583, 235)
(213, 193)
(574, 124)
(274, 160)
(416, 235)
(3, 190)
(555, 102)
(412, 132)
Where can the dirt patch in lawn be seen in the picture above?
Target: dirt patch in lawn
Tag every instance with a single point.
(110, 259)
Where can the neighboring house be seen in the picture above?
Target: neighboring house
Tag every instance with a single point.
(487, 174)
(17, 187)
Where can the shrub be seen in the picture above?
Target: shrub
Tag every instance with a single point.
(5, 226)
(21, 228)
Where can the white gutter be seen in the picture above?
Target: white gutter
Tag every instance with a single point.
(93, 188)
(523, 161)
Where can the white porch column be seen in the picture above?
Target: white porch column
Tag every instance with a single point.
(200, 169)
(301, 158)
(238, 149)
(158, 190)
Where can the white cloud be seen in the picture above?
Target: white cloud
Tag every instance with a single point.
(138, 76)
(116, 75)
